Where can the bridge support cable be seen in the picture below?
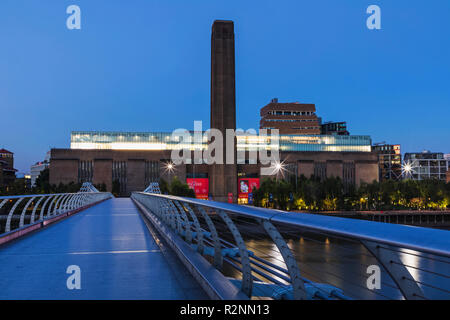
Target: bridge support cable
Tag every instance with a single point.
(187, 233)
(247, 280)
(298, 286)
(391, 262)
(218, 258)
(198, 229)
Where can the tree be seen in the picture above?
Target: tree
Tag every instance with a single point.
(42, 184)
(177, 188)
(163, 186)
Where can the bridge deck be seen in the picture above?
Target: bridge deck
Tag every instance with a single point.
(118, 258)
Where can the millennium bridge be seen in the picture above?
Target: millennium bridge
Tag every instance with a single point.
(91, 245)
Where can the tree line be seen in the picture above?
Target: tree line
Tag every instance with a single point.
(43, 186)
(331, 194)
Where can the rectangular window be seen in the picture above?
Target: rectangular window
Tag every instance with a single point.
(119, 175)
(348, 174)
(151, 172)
(85, 171)
(320, 170)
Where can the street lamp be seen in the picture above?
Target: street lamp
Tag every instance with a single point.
(407, 169)
(170, 167)
(277, 168)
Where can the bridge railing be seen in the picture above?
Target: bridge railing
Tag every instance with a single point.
(282, 255)
(19, 211)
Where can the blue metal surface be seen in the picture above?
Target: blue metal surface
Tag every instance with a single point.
(110, 243)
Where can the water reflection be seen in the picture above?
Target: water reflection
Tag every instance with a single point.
(343, 264)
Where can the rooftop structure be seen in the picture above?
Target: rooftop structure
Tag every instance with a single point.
(290, 118)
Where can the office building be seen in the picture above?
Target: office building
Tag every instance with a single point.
(35, 170)
(7, 171)
(426, 165)
(389, 161)
(334, 128)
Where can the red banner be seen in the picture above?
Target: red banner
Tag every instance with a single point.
(246, 185)
(200, 187)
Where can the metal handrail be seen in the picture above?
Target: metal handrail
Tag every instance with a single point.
(49, 206)
(425, 240)
(384, 243)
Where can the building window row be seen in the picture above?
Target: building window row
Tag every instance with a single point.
(290, 113)
(290, 120)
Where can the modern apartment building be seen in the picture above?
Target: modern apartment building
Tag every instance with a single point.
(426, 165)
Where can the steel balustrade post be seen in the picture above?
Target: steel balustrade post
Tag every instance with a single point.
(298, 286)
(187, 232)
(76, 201)
(72, 201)
(391, 262)
(87, 198)
(79, 201)
(218, 258)
(59, 205)
(170, 215)
(62, 205)
(36, 206)
(11, 212)
(3, 203)
(41, 214)
(82, 200)
(174, 218)
(163, 207)
(50, 206)
(175, 212)
(22, 215)
(247, 279)
(65, 203)
(198, 228)
(53, 204)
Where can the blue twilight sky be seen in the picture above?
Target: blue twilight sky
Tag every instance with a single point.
(144, 65)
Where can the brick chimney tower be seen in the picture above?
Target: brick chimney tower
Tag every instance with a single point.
(223, 177)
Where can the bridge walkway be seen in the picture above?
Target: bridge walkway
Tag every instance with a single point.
(117, 255)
